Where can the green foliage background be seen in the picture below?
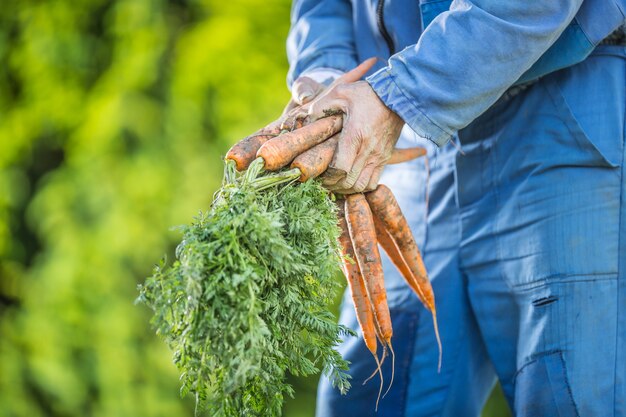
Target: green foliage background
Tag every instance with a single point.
(113, 118)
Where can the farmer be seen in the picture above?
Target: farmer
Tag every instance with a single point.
(522, 214)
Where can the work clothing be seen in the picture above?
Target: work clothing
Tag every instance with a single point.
(466, 56)
(523, 234)
(525, 247)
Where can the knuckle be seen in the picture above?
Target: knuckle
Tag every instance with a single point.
(350, 180)
(339, 88)
(359, 187)
(328, 183)
(315, 106)
(341, 191)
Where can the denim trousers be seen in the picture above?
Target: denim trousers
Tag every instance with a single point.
(522, 226)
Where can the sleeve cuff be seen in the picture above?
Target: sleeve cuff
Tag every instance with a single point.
(383, 82)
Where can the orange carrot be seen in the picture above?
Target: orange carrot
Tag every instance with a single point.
(244, 151)
(385, 207)
(314, 162)
(362, 306)
(404, 155)
(389, 246)
(290, 124)
(363, 309)
(280, 151)
(363, 235)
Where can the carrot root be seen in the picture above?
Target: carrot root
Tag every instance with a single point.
(436, 326)
(386, 209)
(393, 368)
(382, 382)
(363, 234)
(356, 284)
(382, 361)
(315, 161)
(244, 151)
(280, 151)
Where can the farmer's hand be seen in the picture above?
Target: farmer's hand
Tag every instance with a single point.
(303, 90)
(370, 132)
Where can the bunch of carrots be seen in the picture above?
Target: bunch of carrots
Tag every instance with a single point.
(366, 219)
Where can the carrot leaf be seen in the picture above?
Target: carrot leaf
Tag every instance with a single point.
(246, 299)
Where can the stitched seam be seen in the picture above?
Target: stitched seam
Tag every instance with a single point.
(575, 135)
(575, 23)
(541, 355)
(495, 185)
(566, 380)
(552, 279)
(533, 358)
(619, 268)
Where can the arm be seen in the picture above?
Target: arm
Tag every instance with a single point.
(321, 36)
(466, 58)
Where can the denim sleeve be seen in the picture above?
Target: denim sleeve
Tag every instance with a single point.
(321, 35)
(465, 60)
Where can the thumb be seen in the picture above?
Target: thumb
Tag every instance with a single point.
(305, 89)
(356, 73)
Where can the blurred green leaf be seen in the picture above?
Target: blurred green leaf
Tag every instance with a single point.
(114, 115)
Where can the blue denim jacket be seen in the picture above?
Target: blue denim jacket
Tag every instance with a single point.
(447, 62)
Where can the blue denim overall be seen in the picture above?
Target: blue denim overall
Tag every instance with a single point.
(524, 238)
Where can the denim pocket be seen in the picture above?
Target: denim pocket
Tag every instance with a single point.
(542, 388)
(590, 99)
(596, 157)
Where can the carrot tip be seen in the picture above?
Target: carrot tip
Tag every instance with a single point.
(393, 368)
(382, 383)
(436, 326)
(382, 360)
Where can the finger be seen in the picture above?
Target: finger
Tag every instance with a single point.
(289, 107)
(341, 191)
(375, 178)
(305, 89)
(331, 177)
(327, 104)
(355, 172)
(295, 118)
(357, 73)
(335, 188)
(345, 154)
(364, 178)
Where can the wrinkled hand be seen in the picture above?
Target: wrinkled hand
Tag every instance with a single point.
(370, 132)
(303, 90)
